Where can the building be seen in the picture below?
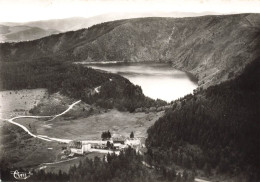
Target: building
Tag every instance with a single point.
(86, 148)
(76, 147)
(118, 139)
(133, 143)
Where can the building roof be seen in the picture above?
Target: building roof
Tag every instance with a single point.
(75, 144)
(117, 144)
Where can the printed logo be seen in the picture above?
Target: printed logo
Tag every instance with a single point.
(21, 175)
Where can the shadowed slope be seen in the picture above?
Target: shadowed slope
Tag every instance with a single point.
(213, 48)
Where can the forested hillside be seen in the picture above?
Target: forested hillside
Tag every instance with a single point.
(213, 48)
(215, 129)
(75, 81)
(126, 167)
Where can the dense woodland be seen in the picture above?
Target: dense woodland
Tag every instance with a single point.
(127, 166)
(217, 129)
(74, 81)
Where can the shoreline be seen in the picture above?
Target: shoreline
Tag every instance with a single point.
(191, 76)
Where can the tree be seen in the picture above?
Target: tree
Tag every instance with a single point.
(185, 175)
(106, 135)
(207, 169)
(108, 144)
(132, 135)
(171, 174)
(178, 179)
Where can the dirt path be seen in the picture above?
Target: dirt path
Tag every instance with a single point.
(201, 180)
(42, 137)
(70, 107)
(58, 162)
(196, 179)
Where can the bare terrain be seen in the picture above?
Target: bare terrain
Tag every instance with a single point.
(19, 101)
(91, 127)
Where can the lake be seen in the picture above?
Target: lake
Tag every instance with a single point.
(158, 80)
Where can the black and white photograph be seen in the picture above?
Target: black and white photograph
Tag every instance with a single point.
(129, 90)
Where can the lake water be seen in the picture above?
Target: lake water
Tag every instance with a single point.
(158, 80)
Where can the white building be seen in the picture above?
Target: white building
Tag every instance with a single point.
(119, 146)
(77, 147)
(77, 151)
(133, 142)
(86, 147)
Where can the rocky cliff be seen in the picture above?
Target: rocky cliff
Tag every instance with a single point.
(213, 48)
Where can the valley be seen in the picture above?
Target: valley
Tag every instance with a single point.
(122, 77)
(212, 48)
(47, 131)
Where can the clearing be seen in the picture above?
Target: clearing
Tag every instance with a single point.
(19, 102)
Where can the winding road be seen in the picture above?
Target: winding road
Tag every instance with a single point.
(50, 139)
(42, 137)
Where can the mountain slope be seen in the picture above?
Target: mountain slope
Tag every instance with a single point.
(23, 33)
(217, 128)
(213, 48)
(76, 23)
(75, 81)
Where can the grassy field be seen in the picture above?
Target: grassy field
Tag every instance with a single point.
(83, 122)
(27, 151)
(20, 101)
(22, 150)
(91, 127)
